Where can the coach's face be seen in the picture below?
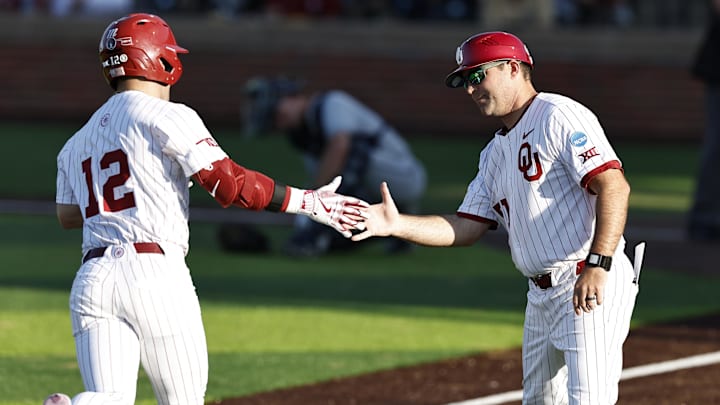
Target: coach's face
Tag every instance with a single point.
(492, 87)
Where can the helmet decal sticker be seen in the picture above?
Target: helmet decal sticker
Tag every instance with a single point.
(108, 42)
(459, 55)
(115, 60)
(117, 72)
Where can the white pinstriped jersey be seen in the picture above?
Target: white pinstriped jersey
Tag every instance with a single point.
(532, 180)
(128, 169)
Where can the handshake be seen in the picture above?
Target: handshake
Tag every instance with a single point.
(325, 206)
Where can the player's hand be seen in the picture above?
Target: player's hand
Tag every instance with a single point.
(327, 207)
(589, 289)
(380, 217)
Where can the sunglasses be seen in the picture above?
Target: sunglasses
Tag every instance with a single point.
(476, 76)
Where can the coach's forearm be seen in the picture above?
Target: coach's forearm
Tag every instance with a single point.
(438, 230)
(611, 209)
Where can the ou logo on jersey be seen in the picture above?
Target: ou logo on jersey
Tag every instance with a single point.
(529, 163)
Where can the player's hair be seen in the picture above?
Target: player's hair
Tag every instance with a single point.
(526, 70)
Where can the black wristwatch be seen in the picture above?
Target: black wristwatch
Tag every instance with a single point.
(598, 260)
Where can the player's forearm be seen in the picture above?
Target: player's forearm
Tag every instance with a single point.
(69, 216)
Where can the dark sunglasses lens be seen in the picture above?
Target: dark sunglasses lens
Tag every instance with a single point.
(476, 77)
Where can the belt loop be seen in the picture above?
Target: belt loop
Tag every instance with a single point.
(580, 267)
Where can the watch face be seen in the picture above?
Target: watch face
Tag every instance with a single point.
(595, 259)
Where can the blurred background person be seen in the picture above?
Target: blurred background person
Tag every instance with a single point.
(594, 12)
(64, 8)
(704, 217)
(337, 135)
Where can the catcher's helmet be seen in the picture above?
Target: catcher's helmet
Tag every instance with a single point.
(140, 45)
(262, 95)
(486, 47)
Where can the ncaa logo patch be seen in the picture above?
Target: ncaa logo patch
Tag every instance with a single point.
(578, 139)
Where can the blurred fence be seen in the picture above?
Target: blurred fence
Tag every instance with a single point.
(636, 80)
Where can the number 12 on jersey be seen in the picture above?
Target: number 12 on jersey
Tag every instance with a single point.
(110, 202)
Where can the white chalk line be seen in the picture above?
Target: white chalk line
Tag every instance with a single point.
(699, 360)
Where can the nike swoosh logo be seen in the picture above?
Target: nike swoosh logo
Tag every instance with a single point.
(325, 207)
(525, 135)
(212, 193)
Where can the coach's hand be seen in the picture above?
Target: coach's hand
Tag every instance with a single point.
(589, 289)
(379, 217)
(327, 207)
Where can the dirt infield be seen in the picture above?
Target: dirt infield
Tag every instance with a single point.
(487, 374)
(498, 372)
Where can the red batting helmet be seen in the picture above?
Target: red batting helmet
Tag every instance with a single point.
(486, 47)
(140, 45)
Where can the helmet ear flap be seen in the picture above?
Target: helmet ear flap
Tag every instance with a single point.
(166, 65)
(173, 71)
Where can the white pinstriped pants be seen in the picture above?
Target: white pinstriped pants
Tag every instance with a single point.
(571, 359)
(129, 309)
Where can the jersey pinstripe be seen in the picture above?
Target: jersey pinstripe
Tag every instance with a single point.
(133, 149)
(532, 179)
(569, 359)
(129, 308)
(128, 170)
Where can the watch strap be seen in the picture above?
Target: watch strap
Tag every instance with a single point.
(596, 259)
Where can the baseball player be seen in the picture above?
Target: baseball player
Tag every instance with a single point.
(553, 181)
(337, 135)
(124, 178)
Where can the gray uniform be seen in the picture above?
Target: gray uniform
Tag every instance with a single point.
(386, 156)
(378, 153)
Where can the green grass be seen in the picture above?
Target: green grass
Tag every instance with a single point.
(275, 322)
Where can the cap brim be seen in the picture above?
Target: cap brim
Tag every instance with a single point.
(455, 79)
